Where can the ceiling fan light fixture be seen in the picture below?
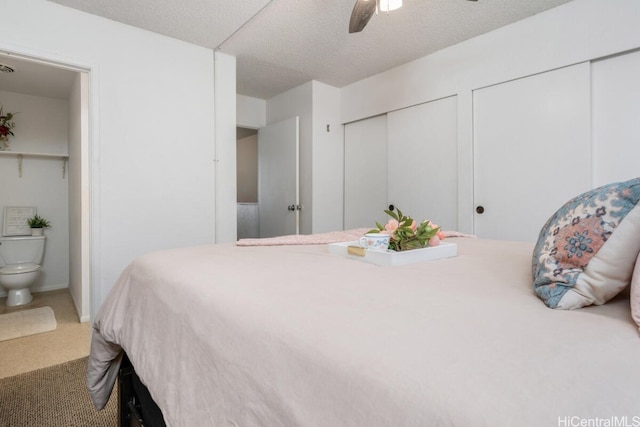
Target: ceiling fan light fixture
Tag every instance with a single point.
(6, 69)
(389, 5)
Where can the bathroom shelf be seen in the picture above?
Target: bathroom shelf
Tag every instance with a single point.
(20, 155)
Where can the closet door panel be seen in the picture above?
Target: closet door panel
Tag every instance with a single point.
(532, 150)
(616, 118)
(365, 174)
(423, 173)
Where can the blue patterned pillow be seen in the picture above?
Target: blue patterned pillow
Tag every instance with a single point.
(587, 250)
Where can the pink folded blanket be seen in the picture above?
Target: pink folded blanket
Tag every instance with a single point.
(322, 238)
(307, 239)
(458, 234)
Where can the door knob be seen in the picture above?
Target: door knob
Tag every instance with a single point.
(291, 207)
(480, 209)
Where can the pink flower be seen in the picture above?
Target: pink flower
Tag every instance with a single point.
(413, 225)
(439, 234)
(391, 226)
(434, 241)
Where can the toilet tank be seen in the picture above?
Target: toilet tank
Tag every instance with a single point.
(21, 250)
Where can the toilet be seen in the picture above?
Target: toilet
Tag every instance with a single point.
(20, 259)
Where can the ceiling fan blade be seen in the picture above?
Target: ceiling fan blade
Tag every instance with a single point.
(363, 10)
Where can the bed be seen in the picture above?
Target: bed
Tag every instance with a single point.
(292, 335)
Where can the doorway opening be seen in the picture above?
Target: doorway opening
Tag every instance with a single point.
(47, 166)
(247, 182)
(268, 174)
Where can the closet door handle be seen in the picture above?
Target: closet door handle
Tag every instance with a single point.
(480, 209)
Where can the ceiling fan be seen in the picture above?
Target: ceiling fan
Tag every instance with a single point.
(363, 10)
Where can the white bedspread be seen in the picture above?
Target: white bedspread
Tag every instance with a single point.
(293, 336)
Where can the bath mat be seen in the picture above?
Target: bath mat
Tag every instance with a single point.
(28, 322)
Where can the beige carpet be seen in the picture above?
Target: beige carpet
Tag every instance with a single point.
(54, 396)
(27, 322)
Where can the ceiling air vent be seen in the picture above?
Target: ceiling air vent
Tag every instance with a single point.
(6, 69)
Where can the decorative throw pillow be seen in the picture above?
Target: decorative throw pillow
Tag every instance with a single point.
(587, 250)
(635, 293)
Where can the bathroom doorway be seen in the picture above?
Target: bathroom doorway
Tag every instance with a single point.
(47, 165)
(247, 182)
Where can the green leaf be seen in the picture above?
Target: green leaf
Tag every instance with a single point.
(392, 214)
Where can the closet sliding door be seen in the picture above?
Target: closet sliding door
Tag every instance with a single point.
(365, 172)
(423, 166)
(532, 150)
(616, 118)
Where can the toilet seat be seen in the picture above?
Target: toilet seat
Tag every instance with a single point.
(19, 269)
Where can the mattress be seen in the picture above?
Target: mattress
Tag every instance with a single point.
(296, 336)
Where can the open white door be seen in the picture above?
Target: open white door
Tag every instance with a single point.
(278, 178)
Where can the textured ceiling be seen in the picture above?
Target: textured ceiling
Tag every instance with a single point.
(280, 44)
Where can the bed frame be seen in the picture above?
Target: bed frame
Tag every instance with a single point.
(136, 407)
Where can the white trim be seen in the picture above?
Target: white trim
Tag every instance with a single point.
(93, 216)
(42, 58)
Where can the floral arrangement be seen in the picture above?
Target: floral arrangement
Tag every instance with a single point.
(405, 234)
(6, 124)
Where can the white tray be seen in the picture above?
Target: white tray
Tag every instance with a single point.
(443, 250)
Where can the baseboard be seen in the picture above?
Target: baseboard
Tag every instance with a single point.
(4, 293)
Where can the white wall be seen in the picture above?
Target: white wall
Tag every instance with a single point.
(225, 148)
(41, 123)
(575, 32)
(41, 127)
(328, 159)
(152, 130)
(251, 112)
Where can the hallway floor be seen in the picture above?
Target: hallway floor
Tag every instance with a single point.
(70, 340)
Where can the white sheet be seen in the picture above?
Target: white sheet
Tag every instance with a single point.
(293, 336)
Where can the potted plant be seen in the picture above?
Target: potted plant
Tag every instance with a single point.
(38, 224)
